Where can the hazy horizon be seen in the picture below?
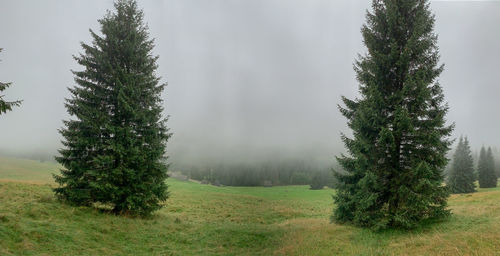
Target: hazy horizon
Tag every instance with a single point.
(247, 80)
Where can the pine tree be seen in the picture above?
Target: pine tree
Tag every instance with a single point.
(114, 148)
(6, 105)
(486, 169)
(461, 178)
(392, 174)
(318, 182)
(491, 164)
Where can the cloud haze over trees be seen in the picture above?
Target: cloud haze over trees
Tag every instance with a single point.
(247, 81)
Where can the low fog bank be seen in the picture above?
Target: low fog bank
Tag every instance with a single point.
(249, 82)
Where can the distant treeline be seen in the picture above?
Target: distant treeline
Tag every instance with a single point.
(263, 174)
(475, 156)
(41, 156)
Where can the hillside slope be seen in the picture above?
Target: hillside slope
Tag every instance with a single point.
(207, 220)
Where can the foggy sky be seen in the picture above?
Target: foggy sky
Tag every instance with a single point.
(246, 79)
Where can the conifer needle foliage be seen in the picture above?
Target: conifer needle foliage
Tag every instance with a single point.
(462, 176)
(486, 169)
(392, 174)
(115, 142)
(6, 105)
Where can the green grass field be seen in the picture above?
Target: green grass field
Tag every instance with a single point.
(207, 220)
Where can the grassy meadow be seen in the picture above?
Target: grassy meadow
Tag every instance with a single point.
(207, 220)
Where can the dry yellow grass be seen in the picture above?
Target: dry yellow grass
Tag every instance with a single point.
(474, 229)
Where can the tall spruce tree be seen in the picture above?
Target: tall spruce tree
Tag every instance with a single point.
(114, 148)
(486, 169)
(462, 177)
(392, 176)
(6, 105)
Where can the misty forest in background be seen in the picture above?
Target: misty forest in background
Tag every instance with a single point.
(462, 176)
(271, 173)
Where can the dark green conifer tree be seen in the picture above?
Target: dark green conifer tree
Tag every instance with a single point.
(6, 105)
(486, 169)
(318, 182)
(392, 175)
(461, 177)
(115, 144)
